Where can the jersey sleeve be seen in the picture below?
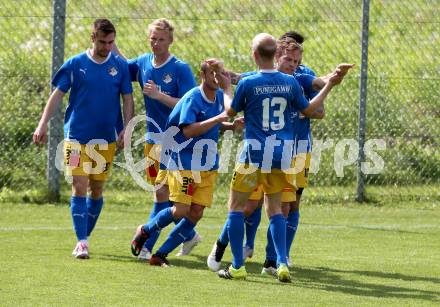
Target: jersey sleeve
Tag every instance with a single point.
(312, 95)
(299, 100)
(133, 69)
(306, 82)
(188, 112)
(307, 70)
(64, 77)
(126, 87)
(239, 100)
(186, 80)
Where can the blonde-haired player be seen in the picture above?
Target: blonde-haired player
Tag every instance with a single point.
(192, 170)
(164, 79)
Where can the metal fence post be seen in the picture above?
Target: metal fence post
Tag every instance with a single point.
(360, 195)
(55, 134)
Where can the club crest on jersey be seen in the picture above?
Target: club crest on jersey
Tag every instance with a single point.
(167, 78)
(112, 71)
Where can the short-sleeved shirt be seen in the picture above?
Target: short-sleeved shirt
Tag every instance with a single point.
(200, 154)
(268, 99)
(94, 106)
(174, 78)
(303, 69)
(303, 138)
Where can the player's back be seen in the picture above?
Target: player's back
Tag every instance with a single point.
(268, 99)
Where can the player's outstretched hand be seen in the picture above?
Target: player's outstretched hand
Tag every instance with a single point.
(339, 73)
(238, 123)
(222, 117)
(344, 68)
(40, 134)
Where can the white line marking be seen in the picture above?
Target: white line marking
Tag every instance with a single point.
(204, 226)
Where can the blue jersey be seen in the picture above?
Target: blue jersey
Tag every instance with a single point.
(268, 99)
(200, 154)
(303, 69)
(303, 138)
(174, 78)
(94, 105)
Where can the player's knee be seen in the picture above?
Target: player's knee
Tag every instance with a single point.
(180, 210)
(285, 208)
(247, 212)
(162, 194)
(196, 213)
(96, 194)
(250, 207)
(79, 186)
(236, 201)
(294, 206)
(96, 191)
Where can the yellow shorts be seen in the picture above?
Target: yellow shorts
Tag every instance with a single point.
(246, 179)
(94, 161)
(152, 154)
(287, 194)
(186, 189)
(257, 194)
(162, 177)
(302, 166)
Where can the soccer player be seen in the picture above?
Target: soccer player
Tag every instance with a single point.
(267, 99)
(97, 78)
(299, 38)
(164, 79)
(287, 58)
(192, 169)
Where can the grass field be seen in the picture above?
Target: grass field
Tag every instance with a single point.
(344, 254)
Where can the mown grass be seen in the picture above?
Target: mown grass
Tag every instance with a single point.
(344, 254)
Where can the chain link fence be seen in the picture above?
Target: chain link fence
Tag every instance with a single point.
(403, 100)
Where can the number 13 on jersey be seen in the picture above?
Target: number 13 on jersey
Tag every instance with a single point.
(276, 106)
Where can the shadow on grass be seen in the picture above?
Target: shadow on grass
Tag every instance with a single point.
(119, 258)
(370, 228)
(334, 280)
(319, 278)
(397, 276)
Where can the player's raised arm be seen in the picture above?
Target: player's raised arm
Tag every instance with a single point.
(317, 102)
(212, 78)
(223, 79)
(341, 69)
